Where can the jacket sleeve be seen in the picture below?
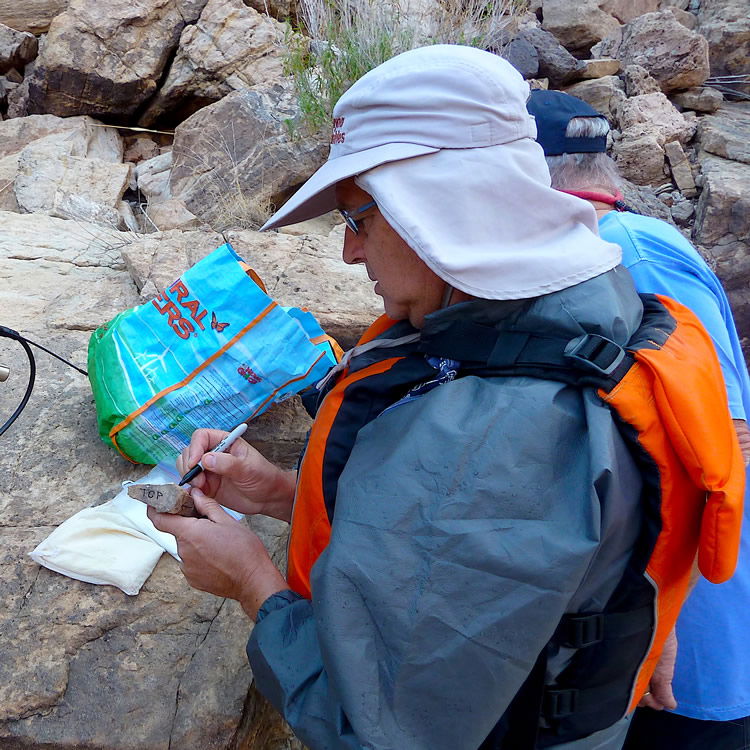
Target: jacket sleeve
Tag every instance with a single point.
(465, 522)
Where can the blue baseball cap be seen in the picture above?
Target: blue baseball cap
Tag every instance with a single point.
(553, 110)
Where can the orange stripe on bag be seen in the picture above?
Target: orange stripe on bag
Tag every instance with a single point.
(125, 422)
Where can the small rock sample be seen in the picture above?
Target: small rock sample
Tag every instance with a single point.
(166, 498)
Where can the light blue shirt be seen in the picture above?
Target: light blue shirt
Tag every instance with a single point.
(712, 675)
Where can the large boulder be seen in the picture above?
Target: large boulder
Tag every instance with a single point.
(726, 26)
(30, 15)
(722, 227)
(727, 133)
(106, 58)
(236, 158)
(671, 53)
(45, 152)
(579, 25)
(231, 47)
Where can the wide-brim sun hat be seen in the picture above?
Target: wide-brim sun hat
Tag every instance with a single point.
(419, 102)
(441, 139)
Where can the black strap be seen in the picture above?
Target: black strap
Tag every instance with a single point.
(590, 358)
(586, 629)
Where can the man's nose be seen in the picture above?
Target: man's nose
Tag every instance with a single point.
(353, 251)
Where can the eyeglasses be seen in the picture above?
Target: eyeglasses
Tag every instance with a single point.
(351, 222)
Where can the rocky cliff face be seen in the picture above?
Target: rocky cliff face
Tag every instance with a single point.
(95, 219)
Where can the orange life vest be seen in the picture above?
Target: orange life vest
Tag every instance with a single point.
(667, 394)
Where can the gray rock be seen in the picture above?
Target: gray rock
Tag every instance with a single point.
(722, 227)
(726, 26)
(231, 47)
(522, 55)
(682, 212)
(727, 133)
(235, 158)
(627, 10)
(672, 54)
(554, 61)
(16, 48)
(688, 20)
(644, 200)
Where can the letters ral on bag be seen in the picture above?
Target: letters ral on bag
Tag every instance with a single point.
(212, 350)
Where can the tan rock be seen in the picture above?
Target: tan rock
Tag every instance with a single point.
(165, 498)
(106, 58)
(672, 54)
(699, 99)
(603, 94)
(600, 67)
(639, 81)
(578, 25)
(140, 148)
(682, 174)
(233, 159)
(627, 10)
(231, 47)
(640, 159)
(654, 115)
(30, 15)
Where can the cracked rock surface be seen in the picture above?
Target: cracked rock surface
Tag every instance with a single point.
(87, 667)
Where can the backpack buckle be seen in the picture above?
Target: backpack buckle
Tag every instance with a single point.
(560, 703)
(594, 352)
(582, 630)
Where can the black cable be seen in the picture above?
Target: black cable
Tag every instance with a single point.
(32, 377)
(24, 342)
(56, 356)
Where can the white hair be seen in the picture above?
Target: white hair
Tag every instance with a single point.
(584, 171)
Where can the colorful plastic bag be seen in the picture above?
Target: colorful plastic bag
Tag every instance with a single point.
(212, 350)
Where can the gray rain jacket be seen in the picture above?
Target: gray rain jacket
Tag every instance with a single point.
(467, 522)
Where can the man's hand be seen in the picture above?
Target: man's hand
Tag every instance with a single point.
(660, 693)
(240, 479)
(221, 555)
